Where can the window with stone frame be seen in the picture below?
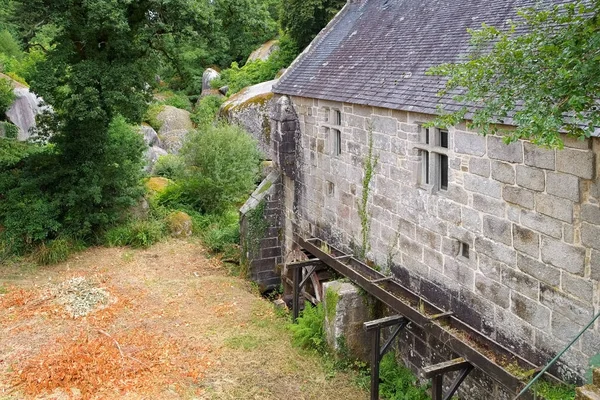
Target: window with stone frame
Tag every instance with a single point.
(332, 127)
(433, 149)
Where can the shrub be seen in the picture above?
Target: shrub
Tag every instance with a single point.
(10, 131)
(136, 234)
(222, 164)
(178, 100)
(222, 234)
(7, 96)
(53, 252)
(206, 110)
(169, 166)
(151, 116)
(398, 382)
(308, 333)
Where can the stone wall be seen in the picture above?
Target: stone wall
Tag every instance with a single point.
(260, 226)
(512, 247)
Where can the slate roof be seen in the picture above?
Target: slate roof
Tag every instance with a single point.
(376, 52)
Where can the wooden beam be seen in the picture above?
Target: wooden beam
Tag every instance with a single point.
(448, 366)
(383, 322)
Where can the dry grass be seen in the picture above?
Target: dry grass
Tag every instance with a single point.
(177, 328)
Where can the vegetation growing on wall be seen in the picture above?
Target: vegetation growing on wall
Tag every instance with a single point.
(369, 164)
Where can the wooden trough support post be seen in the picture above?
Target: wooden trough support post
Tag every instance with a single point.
(377, 352)
(298, 282)
(436, 373)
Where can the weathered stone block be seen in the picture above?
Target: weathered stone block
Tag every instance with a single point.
(479, 166)
(563, 185)
(561, 303)
(345, 314)
(384, 125)
(554, 207)
(543, 272)
(587, 393)
(564, 256)
(531, 178)
(590, 213)
(590, 235)
(468, 143)
(503, 172)
(428, 238)
(459, 272)
(564, 328)
(433, 259)
(576, 143)
(471, 219)
(488, 205)
(541, 223)
(595, 265)
(578, 287)
(518, 196)
(496, 251)
(539, 157)
(449, 211)
(576, 162)
(493, 291)
(497, 229)
(520, 282)
(530, 311)
(526, 240)
(457, 194)
(484, 186)
(498, 150)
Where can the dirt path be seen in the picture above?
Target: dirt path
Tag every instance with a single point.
(163, 323)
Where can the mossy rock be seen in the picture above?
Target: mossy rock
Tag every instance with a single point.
(180, 224)
(157, 184)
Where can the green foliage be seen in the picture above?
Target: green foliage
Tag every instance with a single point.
(398, 382)
(258, 71)
(222, 167)
(10, 131)
(549, 391)
(138, 233)
(331, 298)
(151, 115)
(304, 19)
(9, 47)
(308, 332)
(541, 72)
(206, 110)
(256, 228)
(55, 251)
(169, 166)
(220, 233)
(177, 100)
(245, 25)
(7, 97)
(369, 164)
(44, 196)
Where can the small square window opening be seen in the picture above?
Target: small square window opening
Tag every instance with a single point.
(464, 250)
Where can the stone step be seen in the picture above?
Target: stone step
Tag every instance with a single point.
(588, 393)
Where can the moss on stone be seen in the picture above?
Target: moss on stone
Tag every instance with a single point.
(180, 224)
(157, 184)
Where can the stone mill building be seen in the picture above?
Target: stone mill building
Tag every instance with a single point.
(505, 238)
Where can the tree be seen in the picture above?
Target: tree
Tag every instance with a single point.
(541, 73)
(246, 24)
(95, 76)
(304, 19)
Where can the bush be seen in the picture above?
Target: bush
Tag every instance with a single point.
(222, 166)
(7, 96)
(222, 232)
(55, 251)
(308, 333)
(206, 110)
(258, 71)
(398, 382)
(43, 195)
(136, 234)
(169, 166)
(177, 100)
(151, 116)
